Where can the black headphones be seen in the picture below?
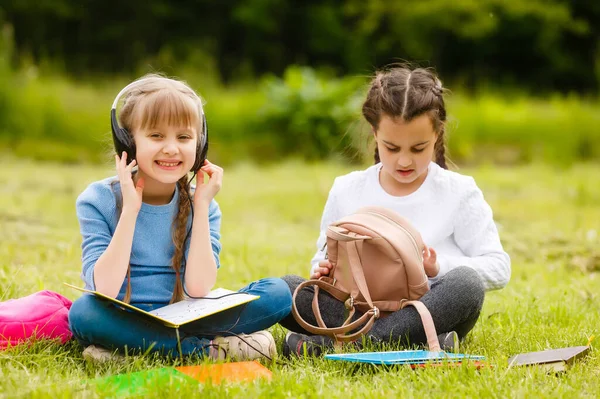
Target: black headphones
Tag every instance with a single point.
(123, 140)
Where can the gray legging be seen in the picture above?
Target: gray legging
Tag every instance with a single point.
(454, 301)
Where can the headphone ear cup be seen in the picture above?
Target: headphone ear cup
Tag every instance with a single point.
(122, 139)
(202, 148)
(124, 142)
(201, 157)
(130, 147)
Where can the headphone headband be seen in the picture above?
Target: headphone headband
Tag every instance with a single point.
(135, 83)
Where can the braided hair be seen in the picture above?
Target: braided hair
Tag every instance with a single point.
(401, 92)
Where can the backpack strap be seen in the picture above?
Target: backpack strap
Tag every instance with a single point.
(428, 326)
(339, 333)
(343, 235)
(383, 306)
(343, 337)
(367, 319)
(357, 271)
(351, 241)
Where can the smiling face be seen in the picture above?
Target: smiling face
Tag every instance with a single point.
(165, 154)
(405, 150)
(163, 116)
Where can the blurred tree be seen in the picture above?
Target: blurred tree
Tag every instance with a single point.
(536, 44)
(524, 43)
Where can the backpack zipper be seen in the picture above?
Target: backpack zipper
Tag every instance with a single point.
(412, 238)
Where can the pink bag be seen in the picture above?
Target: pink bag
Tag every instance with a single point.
(40, 315)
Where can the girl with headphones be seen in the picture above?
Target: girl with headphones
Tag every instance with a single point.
(149, 238)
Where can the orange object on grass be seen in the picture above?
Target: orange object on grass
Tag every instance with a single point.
(230, 372)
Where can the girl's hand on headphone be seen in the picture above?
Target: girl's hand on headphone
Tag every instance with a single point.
(132, 194)
(206, 191)
(432, 268)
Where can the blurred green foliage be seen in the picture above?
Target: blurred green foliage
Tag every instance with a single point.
(519, 129)
(541, 45)
(305, 114)
(308, 115)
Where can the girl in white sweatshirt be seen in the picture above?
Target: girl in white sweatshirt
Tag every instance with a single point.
(463, 256)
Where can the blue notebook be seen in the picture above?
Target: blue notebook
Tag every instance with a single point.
(402, 357)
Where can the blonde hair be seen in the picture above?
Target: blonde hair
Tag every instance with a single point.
(154, 101)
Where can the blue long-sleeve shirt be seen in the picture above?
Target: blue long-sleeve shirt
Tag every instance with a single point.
(152, 276)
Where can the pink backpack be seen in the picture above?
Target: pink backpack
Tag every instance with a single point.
(40, 315)
(377, 268)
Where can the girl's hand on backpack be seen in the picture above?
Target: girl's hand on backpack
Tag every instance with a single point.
(322, 270)
(432, 268)
(206, 191)
(132, 193)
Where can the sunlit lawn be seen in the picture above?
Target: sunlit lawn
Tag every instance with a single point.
(548, 217)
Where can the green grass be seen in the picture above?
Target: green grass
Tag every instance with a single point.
(548, 220)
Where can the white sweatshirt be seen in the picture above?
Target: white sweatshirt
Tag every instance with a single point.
(448, 210)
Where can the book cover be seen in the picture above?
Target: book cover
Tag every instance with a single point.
(188, 310)
(552, 359)
(141, 383)
(478, 364)
(229, 372)
(402, 357)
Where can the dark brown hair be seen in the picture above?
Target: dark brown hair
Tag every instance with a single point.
(402, 92)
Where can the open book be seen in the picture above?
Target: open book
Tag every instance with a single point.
(188, 310)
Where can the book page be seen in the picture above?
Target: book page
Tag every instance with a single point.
(192, 309)
(188, 310)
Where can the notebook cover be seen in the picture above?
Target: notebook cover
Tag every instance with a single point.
(567, 355)
(473, 363)
(141, 383)
(230, 372)
(138, 383)
(402, 357)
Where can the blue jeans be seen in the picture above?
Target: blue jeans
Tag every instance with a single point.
(99, 322)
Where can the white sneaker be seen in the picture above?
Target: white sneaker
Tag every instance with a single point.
(100, 355)
(258, 345)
